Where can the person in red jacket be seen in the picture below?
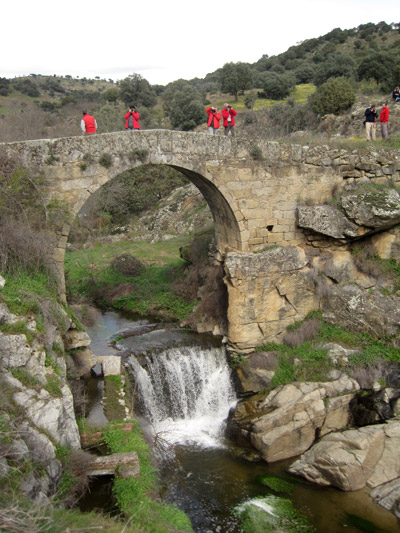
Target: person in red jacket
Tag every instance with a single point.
(132, 119)
(384, 120)
(213, 120)
(88, 124)
(229, 114)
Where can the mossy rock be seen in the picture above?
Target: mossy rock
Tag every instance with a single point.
(127, 265)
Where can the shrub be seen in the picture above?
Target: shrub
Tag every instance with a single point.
(105, 160)
(277, 86)
(5, 88)
(333, 96)
(26, 86)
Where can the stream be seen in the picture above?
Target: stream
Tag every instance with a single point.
(183, 394)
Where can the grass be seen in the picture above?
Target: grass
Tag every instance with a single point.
(18, 328)
(22, 292)
(300, 94)
(315, 364)
(89, 276)
(132, 494)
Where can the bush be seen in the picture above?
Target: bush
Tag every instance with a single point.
(105, 160)
(277, 86)
(334, 96)
(26, 86)
(336, 65)
(25, 242)
(5, 88)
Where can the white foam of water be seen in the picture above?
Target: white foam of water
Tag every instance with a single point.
(186, 393)
(256, 502)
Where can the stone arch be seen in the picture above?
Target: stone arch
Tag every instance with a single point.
(227, 227)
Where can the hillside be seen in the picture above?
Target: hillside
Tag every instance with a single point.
(368, 57)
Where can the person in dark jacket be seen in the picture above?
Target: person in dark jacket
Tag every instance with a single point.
(132, 119)
(370, 123)
(213, 120)
(396, 94)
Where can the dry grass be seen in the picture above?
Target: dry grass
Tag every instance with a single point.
(308, 330)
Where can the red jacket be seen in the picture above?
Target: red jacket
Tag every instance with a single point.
(90, 123)
(213, 118)
(225, 115)
(135, 116)
(384, 116)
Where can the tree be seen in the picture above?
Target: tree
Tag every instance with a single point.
(333, 96)
(135, 90)
(304, 73)
(26, 86)
(380, 67)
(337, 65)
(183, 105)
(111, 95)
(235, 77)
(5, 88)
(277, 86)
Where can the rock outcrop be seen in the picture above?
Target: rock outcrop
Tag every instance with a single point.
(356, 458)
(362, 210)
(33, 378)
(286, 421)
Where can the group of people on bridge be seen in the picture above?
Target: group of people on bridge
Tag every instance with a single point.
(89, 124)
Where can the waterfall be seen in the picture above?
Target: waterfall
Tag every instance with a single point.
(186, 393)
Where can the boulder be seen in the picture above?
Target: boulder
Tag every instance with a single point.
(371, 407)
(256, 371)
(286, 421)
(388, 496)
(360, 311)
(74, 339)
(373, 208)
(53, 415)
(354, 458)
(327, 220)
(15, 351)
(345, 460)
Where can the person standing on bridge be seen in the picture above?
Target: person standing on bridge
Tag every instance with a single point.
(213, 120)
(228, 114)
(384, 120)
(88, 124)
(132, 119)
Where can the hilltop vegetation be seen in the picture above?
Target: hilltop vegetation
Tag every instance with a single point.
(366, 59)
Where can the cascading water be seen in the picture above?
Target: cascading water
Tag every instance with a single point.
(186, 393)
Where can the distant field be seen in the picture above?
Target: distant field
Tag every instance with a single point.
(300, 94)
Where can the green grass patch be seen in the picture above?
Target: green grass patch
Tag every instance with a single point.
(22, 293)
(132, 494)
(308, 362)
(53, 386)
(25, 378)
(18, 328)
(89, 275)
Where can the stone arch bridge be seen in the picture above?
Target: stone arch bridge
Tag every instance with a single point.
(252, 189)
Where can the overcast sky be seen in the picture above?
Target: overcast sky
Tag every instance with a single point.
(167, 39)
